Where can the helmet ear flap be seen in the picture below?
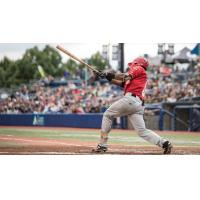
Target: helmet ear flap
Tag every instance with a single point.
(129, 64)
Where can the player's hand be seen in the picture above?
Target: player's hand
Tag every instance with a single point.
(109, 76)
(100, 74)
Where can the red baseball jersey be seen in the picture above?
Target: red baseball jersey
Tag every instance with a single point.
(138, 83)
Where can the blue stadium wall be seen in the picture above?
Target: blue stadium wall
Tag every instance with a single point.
(58, 120)
(169, 116)
(54, 120)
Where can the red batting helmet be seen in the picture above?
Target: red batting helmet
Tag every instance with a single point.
(143, 62)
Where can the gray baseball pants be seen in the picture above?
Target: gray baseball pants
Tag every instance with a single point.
(132, 107)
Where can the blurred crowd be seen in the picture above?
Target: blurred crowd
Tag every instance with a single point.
(63, 99)
(177, 83)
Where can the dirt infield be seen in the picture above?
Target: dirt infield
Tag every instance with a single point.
(32, 145)
(37, 146)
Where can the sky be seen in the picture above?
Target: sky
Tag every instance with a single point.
(83, 50)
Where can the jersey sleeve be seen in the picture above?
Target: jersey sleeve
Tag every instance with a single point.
(135, 72)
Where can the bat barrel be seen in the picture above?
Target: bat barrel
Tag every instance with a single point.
(75, 58)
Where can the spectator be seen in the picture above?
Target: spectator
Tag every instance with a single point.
(42, 98)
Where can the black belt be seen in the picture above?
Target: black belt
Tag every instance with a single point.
(139, 97)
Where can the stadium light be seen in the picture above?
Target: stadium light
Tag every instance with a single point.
(161, 48)
(115, 52)
(105, 52)
(171, 49)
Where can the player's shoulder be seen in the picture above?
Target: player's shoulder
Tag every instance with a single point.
(137, 70)
(142, 70)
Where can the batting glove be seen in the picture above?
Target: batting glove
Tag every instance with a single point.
(100, 74)
(109, 76)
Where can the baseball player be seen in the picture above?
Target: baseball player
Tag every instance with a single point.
(131, 105)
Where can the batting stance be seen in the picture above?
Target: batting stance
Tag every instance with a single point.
(131, 105)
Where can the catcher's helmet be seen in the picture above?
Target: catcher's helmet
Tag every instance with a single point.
(143, 62)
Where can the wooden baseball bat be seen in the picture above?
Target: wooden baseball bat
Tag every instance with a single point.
(76, 58)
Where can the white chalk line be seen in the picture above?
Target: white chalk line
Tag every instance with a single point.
(43, 141)
(45, 153)
(10, 137)
(113, 150)
(120, 139)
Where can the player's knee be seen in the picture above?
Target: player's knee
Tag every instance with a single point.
(141, 131)
(108, 115)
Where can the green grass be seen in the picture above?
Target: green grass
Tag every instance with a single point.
(10, 144)
(115, 137)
